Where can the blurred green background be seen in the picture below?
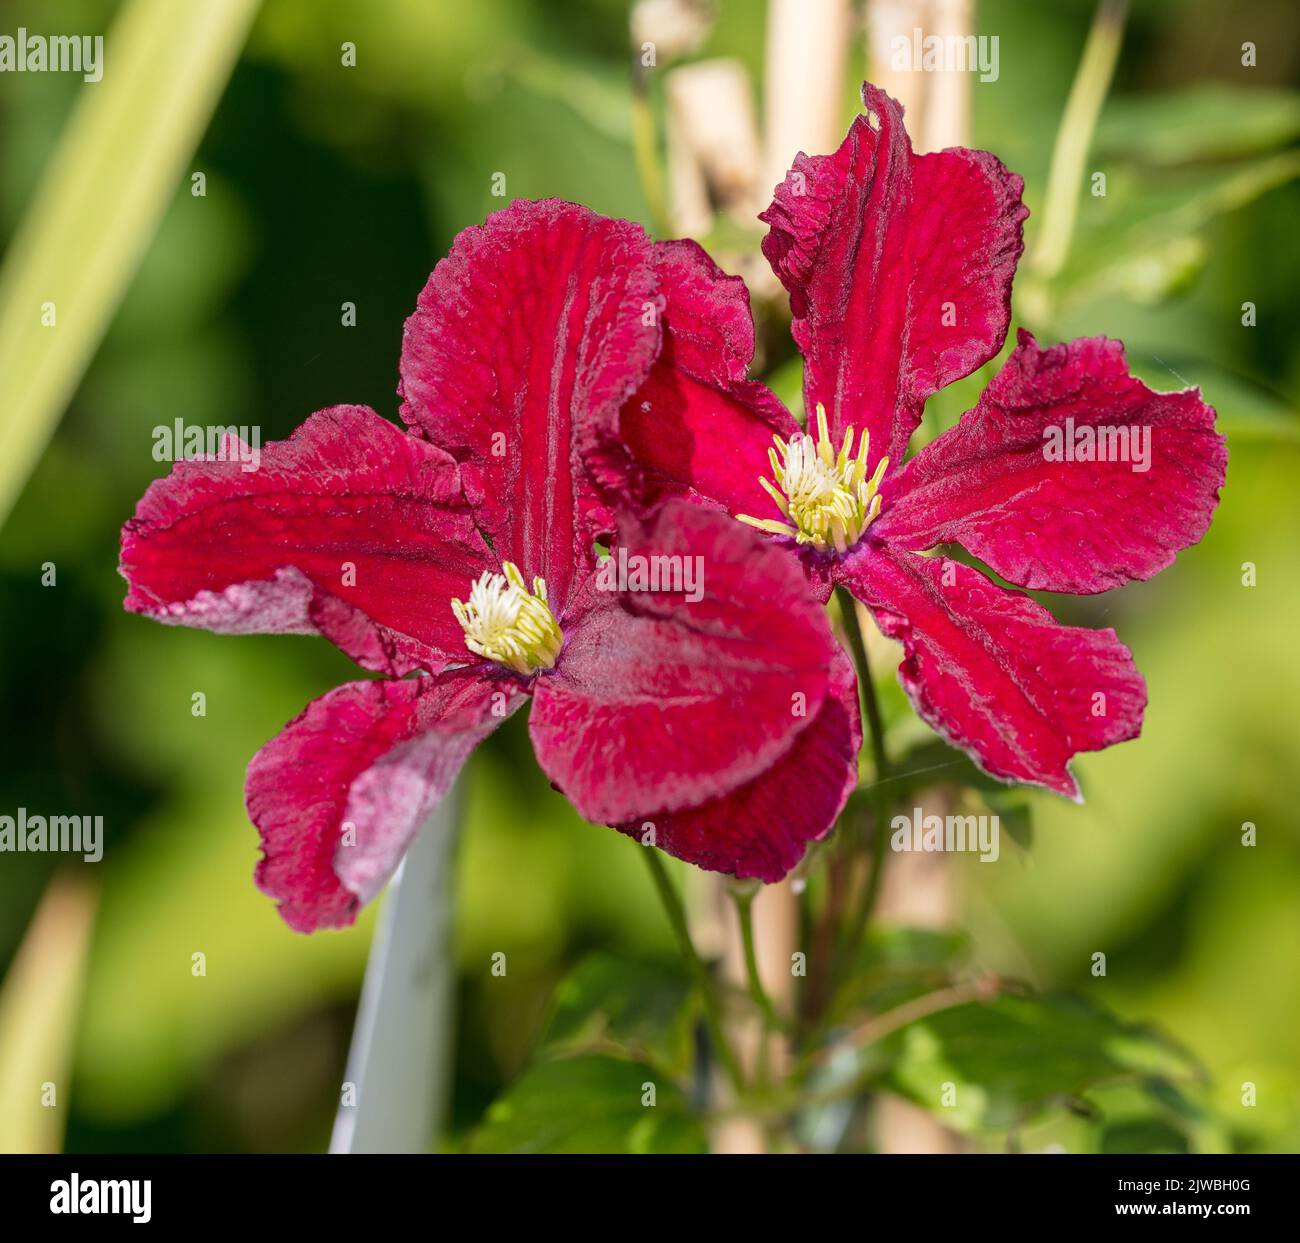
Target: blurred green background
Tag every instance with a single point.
(327, 186)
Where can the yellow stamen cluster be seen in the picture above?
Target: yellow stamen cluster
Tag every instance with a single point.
(505, 622)
(828, 499)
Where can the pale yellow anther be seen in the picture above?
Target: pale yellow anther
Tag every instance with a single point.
(826, 496)
(505, 622)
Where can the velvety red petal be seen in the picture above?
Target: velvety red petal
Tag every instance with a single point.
(350, 528)
(697, 428)
(534, 323)
(371, 759)
(705, 311)
(1056, 525)
(994, 672)
(763, 829)
(658, 703)
(899, 269)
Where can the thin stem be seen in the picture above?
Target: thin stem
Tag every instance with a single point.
(645, 151)
(880, 795)
(873, 1031)
(1074, 137)
(879, 855)
(745, 913)
(866, 685)
(704, 981)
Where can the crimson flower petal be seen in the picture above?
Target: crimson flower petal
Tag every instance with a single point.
(899, 269)
(697, 428)
(371, 759)
(657, 703)
(762, 829)
(705, 311)
(994, 672)
(1065, 525)
(350, 528)
(533, 324)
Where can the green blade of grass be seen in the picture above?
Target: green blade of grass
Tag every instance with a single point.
(38, 1017)
(101, 198)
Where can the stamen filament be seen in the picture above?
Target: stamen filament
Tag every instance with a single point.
(505, 622)
(826, 496)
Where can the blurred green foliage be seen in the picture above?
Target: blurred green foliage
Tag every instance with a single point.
(328, 185)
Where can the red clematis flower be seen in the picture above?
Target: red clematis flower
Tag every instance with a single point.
(409, 552)
(899, 271)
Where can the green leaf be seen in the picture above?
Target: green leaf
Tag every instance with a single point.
(589, 1105)
(909, 949)
(897, 963)
(934, 762)
(1213, 121)
(1142, 238)
(1145, 1135)
(644, 1007)
(995, 1065)
(1152, 1115)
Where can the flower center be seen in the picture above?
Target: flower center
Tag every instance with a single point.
(506, 622)
(827, 498)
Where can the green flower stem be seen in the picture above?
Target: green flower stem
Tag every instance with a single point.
(880, 797)
(745, 913)
(645, 151)
(793, 1098)
(866, 686)
(1074, 137)
(676, 913)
